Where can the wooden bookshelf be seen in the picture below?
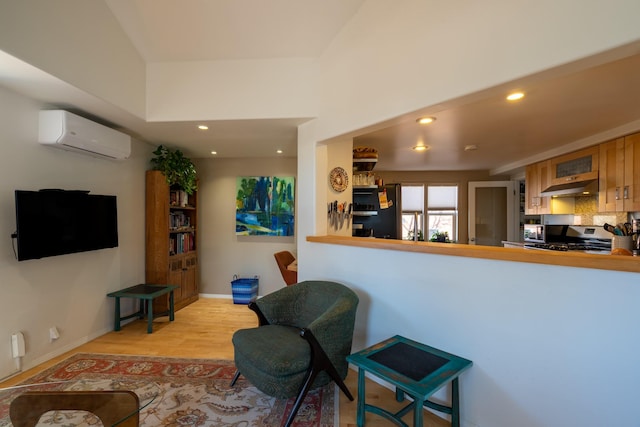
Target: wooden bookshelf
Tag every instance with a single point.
(171, 244)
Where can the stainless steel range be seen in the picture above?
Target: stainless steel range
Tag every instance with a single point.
(588, 239)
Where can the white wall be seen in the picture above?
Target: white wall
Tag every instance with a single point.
(226, 90)
(67, 291)
(340, 154)
(222, 253)
(551, 346)
(398, 57)
(79, 42)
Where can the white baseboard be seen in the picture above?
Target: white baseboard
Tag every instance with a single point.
(222, 296)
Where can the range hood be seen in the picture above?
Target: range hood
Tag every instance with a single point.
(574, 188)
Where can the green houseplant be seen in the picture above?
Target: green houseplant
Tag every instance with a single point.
(178, 169)
(440, 237)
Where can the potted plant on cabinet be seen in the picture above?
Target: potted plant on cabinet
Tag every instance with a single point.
(178, 169)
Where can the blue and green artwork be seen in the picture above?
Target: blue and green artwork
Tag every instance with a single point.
(265, 205)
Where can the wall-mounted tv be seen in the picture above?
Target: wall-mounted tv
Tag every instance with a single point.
(58, 222)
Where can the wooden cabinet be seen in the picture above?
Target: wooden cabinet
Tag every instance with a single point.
(580, 165)
(620, 175)
(611, 176)
(171, 248)
(537, 178)
(631, 188)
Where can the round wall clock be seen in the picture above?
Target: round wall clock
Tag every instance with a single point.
(338, 179)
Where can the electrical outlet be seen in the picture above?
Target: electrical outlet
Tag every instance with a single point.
(53, 334)
(17, 345)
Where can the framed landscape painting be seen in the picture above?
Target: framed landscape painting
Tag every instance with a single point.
(265, 205)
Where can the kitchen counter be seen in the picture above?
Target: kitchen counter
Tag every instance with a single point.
(567, 259)
(508, 244)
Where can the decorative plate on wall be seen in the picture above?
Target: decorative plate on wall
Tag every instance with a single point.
(338, 179)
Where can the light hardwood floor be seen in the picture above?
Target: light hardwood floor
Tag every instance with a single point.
(203, 330)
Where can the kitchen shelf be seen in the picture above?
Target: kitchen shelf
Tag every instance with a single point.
(360, 187)
(365, 213)
(364, 165)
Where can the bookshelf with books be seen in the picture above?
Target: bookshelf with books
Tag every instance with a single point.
(171, 240)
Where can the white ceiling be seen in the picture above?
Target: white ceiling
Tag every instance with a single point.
(204, 30)
(554, 113)
(556, 116)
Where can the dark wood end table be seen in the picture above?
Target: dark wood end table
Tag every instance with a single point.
(412, 368)
(145, 293)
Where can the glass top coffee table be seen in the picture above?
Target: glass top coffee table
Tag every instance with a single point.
(68, 402)
(412, 368)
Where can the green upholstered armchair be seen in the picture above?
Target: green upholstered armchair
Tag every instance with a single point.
(302, 341)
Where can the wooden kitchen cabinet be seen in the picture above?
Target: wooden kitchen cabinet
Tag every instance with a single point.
(537, 178)
(620, 175)
(171, 252)
(580, 165)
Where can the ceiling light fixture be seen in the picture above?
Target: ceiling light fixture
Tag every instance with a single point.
(214, 152)
(279, 151)
(426, 120)
(515, 96)
(421, 148)
(203, 127)
(470, 147)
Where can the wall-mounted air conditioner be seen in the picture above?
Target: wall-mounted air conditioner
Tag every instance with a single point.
(69, 131)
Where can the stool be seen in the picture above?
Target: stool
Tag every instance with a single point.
(412, 368)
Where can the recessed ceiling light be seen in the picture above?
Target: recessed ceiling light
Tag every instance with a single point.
(279, 151)
(515, 96)
(214, 152)
(421, 148)
(470, 147)
(426, 120)
(203, 127)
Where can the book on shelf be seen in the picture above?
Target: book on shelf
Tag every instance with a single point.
(182, 243)
(179, 220)
(178, 198)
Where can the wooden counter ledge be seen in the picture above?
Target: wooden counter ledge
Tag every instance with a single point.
(567, 259)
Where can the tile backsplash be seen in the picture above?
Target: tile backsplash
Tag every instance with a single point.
(586, 213)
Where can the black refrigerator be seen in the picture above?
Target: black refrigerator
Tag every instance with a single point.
(372, 217)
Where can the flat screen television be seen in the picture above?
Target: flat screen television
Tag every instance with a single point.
(58, 222)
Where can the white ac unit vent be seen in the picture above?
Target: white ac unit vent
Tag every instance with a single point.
(62, 129)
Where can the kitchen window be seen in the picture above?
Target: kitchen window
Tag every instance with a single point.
(442, 211)
(412, 212)
(439, 210)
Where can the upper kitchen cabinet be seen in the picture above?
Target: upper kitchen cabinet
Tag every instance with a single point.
(537, 178)
(619, 188)
(611, 176)
(578, 166)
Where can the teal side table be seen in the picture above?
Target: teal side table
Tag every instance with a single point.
(412, 368)
(145, 293)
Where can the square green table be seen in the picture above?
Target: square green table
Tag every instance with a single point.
(412, 368)
(145, 293)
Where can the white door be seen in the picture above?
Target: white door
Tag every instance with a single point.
(492, 212)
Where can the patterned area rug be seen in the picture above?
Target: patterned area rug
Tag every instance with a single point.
(174, 393)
